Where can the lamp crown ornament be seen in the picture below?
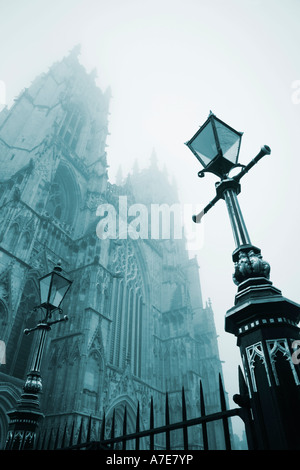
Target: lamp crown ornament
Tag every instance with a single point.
(250, 265)
(58, 267)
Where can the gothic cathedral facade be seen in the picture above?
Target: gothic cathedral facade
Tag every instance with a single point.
(137, 324)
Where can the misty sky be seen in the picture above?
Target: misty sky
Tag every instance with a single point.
(169, 63)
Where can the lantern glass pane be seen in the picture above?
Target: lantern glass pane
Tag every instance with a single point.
(44, 288)
(59, 289)
(229, 142)
(204, 145)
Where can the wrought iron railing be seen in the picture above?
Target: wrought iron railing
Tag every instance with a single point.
(134, 439)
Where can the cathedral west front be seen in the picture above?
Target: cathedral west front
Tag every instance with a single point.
(138, 326)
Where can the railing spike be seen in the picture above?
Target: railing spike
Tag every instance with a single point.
(137, 426)
(44, 440)
(184, 429)
(167, 410)
(80, 432)
(102, 429)
(183, 404)
(112, 431)
(151, 423)
(124, 428)
(62, 445)
(222, 394)
(202, 401)
(167, 419)
(225, 419)
(151, 413)
(203, 413)
(88, 436)
(72, 434)
(56, 438)
(49, 440)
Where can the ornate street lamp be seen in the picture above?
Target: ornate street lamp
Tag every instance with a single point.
(264, 322)
(216, 145)
(24, 419)
(225, 144)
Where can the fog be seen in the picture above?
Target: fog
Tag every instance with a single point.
(168, 63)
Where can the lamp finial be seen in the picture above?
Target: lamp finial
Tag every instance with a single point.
(58, 266)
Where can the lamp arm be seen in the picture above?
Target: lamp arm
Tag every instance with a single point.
(197, 218)
(64, 318)
(265, 150)
(45, 325)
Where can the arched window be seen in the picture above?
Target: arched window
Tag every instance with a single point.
(62, 201)
(126, 339)
(11, 237)
(126, 310)
(23, 245)
(71, 127)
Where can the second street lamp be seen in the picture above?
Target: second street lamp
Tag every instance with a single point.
(25, 418)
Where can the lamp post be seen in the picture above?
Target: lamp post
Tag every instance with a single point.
(264, 322)
(25, 418)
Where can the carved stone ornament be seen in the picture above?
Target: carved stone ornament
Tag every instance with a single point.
(249, 265)
(93, 199)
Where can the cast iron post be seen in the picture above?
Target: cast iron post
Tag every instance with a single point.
(266, 326)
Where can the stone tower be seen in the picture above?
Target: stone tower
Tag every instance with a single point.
(137, 327)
